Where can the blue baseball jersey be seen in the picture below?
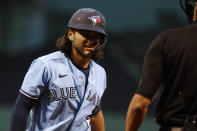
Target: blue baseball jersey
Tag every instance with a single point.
(64, 102)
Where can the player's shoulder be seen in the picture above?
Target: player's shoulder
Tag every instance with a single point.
(43, 61)
(97, 67)
(51, 57)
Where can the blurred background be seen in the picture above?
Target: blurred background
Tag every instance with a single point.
(29, 29)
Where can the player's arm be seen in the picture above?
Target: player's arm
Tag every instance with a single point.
(151, 80)
(136, 112)
(20, 112)
(97, 123)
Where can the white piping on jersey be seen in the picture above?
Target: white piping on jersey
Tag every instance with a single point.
(35, 98)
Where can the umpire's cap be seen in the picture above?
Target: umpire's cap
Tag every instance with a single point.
(88, 19)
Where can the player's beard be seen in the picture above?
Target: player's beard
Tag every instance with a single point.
(83, 53)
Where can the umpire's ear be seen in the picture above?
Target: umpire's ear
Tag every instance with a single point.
(195, 12)
(70, 35)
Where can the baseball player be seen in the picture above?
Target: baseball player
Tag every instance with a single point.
(170, 63)
(62, 90)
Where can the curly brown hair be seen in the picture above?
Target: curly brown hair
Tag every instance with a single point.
(64, 45)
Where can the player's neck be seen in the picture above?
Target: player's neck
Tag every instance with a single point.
(80, 61)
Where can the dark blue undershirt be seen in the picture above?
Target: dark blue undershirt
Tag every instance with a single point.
(86, 73)
(84, 70)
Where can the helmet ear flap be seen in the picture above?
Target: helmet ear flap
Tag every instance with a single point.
(188, 8)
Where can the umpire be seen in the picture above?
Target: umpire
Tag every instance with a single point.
(170, 63)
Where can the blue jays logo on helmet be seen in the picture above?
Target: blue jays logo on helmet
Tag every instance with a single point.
(95, 19)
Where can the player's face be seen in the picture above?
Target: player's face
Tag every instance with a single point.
(84, 42)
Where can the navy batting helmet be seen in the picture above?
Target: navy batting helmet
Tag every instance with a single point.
(188, 7)
(88, 19)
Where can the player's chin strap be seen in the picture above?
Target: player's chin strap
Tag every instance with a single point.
(100, 49)
(188, 9)
(103, 41)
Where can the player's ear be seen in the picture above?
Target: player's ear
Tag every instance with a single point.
(70, 35)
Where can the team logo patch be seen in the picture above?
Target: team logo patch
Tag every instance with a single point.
(95, 19)
(88, 120)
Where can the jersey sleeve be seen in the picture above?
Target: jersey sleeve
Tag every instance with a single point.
(104, 86)
(35, 79)
(153, 69)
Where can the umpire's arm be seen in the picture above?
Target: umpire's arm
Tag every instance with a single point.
(97, 124)
(136, 112)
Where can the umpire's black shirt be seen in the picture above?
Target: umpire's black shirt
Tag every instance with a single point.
(171, 63)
